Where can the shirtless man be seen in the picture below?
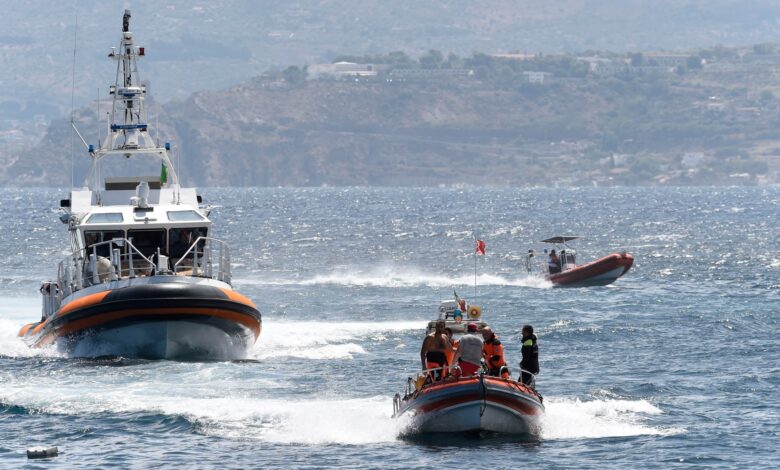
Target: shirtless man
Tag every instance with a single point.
(435, 348)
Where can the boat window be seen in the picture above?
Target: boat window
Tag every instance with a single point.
(106, 218)
(181, 239)
(93, 237)
(147, 241)
(184, 216)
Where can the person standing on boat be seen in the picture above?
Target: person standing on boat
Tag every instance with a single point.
(453, 343)
(435, 349)
(469, 355)
(493, 351)
(529, 365)
(553, 263)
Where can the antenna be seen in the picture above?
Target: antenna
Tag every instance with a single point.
(97, 116)
(476, 243)
(73, 93)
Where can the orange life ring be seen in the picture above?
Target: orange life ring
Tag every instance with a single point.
(474, 312)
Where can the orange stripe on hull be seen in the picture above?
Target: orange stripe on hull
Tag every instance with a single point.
(97, 320)
(81, 302)
(239, 298)
(26, 328)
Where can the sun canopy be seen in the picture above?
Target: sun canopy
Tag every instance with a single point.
(562, 239)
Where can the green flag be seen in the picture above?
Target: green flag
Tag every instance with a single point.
(163, 175)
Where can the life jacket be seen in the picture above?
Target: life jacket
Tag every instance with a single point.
(530, 352)
(493, 351)
(553, 261)
(451, 353)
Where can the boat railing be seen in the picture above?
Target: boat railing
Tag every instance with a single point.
(207, 257)
(536, 265)
(532, 382)
(435, 375)
(89, 267)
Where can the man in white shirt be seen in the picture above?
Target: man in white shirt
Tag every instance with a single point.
(470, 351)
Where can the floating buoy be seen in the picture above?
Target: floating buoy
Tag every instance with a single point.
(42, 452)
(474, 312)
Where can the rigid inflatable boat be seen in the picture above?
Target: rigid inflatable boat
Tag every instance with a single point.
(567, 273)
(601, 272)
(145, 278)
(444, 400)
(472, 404)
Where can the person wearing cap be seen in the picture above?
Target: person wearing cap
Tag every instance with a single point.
(529, 365)
(469, 355)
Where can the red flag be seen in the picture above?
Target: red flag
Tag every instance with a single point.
(480, 247)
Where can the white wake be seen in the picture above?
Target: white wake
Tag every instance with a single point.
(15, 312)
(395, 276)
(324, 340)
(575, 419)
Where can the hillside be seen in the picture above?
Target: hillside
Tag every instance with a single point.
(712, 120)
(194, 46)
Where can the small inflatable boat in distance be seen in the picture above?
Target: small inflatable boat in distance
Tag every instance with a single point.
(144, 278)
(466, 404)
(601, 272)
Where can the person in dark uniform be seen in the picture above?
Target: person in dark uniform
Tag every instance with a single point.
(553, 263)
(530, 352)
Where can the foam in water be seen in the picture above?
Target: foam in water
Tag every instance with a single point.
(575, 419)
(15, 312)
(317, 421)
(322, 421)
(395, 276)
(323, 340)
(345, 421)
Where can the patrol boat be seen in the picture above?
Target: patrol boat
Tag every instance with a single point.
(444, 400)
(145, 278)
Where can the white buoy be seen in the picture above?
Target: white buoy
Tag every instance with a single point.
(42, 452)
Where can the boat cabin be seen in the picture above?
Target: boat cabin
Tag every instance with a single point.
(566, 254)
(151, 219)
(136, 228)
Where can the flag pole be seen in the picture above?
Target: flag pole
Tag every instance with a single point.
(475, 268)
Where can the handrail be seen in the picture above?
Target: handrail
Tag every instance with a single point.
(206, 262)
(84, 267)
(80, 269)
(420, 379)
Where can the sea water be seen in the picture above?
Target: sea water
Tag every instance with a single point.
(675, 364)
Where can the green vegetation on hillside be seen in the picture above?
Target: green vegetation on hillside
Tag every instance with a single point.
(703, 117)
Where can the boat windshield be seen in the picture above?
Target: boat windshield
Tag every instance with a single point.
(181, 239)
(569, 258)
(98, 236)
(147, 241)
